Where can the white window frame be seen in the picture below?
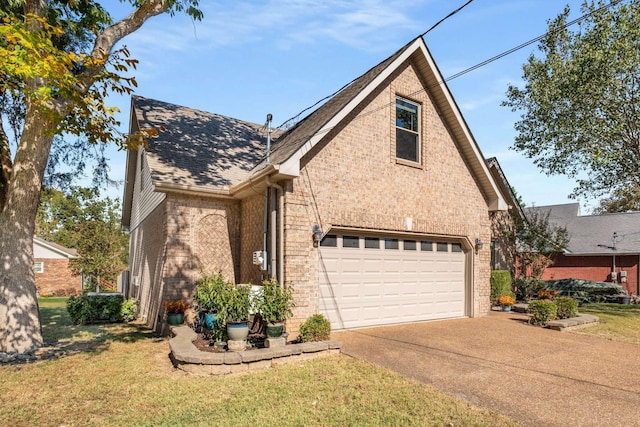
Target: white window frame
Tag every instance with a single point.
(417, 133)
(38, 266)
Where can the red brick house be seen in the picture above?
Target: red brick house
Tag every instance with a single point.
(376, 207)
(51, 266)
(603, 248)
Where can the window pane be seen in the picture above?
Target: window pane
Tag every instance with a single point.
(350, 242)
(406, 115)
(329, 240)
(456, 247)
(38, 267)
(443, 247)
(391, 244)
(426, 246)
(372, 243)
(407, 145)
(409, 245)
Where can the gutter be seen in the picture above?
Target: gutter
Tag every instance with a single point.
(279, 241)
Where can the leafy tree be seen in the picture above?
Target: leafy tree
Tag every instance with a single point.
(621, 200)
(91, 225)
(57, 64)
(579, 105)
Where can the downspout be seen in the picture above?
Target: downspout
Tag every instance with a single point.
(277, 266)
(267, 191)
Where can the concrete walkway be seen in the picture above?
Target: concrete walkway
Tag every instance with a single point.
(536, 376)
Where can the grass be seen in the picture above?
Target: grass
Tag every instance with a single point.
(123, 377)
(618, 322)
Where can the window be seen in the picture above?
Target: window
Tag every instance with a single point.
(372, 243)
(456, 247)
(330, 240)
(38, 267)
(409, 245)
(350, 242)
(426, 246)
(442, 247)
(391, 244)
(407, 131)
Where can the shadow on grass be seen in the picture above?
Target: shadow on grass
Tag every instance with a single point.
(614, 310)
(63, 338)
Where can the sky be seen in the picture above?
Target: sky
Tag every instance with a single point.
(247, 59)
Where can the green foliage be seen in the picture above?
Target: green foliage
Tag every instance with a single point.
(578, 105)
(84, 221)
(275, 302)
(567, 307)
(211, 293)
(541, 311)
(86, 309)
(584, 290)
(129, 310)
(238, 304)
(500, 284)
(315, 328)
(528, 287)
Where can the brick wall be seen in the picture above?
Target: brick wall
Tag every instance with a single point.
(56, 278)
(351, 179)
(251, 232)
(596, 268)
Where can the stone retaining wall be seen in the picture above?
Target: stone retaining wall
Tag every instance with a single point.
(187, 357)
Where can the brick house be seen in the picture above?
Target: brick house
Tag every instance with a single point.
(51, 266)
(599, 245)
(372, 206)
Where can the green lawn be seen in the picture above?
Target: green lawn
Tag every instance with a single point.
(618, 322)
(122, 376)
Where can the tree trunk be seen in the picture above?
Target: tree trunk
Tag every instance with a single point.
(19, 314)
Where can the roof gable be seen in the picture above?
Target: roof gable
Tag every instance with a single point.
(298, 141)
(59, 249)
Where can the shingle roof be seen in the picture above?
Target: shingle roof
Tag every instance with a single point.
(198, 148)
(593, 234)
(69, 253)
(297, 136)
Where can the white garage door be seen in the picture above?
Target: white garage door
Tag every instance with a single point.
(371, 281)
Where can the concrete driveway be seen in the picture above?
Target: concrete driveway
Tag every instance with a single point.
(536, 376)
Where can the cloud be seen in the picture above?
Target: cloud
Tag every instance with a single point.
(288, 23)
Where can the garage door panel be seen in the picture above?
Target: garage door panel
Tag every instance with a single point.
(367, 287)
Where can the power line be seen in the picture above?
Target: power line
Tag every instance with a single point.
(343, 87)
(472, 68)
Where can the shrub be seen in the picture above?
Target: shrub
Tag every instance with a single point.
(101, 308)
(315, 328)
(542, 311)
(129, 310)
(175, 306)
(500, 284)
(585, 290)
(274, 301)
(527, 288)
(211, 292)
(567, 307)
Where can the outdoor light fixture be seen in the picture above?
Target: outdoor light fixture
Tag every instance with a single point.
(479, 244)
(317, 235)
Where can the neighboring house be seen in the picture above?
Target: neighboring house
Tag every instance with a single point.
(504, 223)
(599, 246)
(372, 207)
(51, 266)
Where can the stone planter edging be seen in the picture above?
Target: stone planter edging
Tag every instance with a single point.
(186, 356)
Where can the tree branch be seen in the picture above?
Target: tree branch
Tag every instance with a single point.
(6, 165)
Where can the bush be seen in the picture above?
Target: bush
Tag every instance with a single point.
(315, 328)
(500, 284)
(585, 290)
(567, 307)
(99, 308)
(274, 302)
(129, 310)
(527, 288)
(211, 293)
(542, 311)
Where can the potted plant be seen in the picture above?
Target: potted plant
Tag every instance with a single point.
(210, 294)
(506, 301)
(274, 303)
(175, 311)
(236, 312)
